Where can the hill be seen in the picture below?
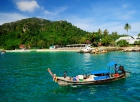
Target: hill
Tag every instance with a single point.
(37, 32)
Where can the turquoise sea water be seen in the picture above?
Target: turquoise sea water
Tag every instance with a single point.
(24, 77)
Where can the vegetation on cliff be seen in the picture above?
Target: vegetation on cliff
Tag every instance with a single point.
(38, 33)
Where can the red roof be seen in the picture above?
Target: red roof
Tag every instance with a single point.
(22, 46)
(88, 42)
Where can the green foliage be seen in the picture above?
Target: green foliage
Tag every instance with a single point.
(122, 43)
(106, 40)
(139, 35)
(40, 33)
(137, 42)
(105, 32)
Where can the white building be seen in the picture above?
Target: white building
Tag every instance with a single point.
(129, 39)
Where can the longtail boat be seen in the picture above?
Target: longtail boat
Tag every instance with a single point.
(93, 78)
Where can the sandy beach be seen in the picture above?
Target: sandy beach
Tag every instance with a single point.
(76, 49)
(45, 50)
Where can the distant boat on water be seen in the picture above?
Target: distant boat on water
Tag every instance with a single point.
(3, 52)
(87, 49)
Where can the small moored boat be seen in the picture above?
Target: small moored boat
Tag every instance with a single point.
(2, 52)
(87, 49)
(93, 78)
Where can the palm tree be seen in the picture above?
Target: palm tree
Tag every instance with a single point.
(105, 32)
(99, 31)
(139, 35)
(127, 27)
(91, 37)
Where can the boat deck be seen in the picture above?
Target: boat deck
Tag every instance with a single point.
(73, 79)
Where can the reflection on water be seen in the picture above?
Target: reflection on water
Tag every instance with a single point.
(87, 57)
(91, 89)
(94, 92)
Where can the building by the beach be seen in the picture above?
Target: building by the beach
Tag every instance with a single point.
(129, 39)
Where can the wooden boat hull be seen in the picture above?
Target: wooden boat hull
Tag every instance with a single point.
(92, 79)
(64, 82)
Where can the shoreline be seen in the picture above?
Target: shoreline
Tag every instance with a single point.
(45, 50)
(72, 49)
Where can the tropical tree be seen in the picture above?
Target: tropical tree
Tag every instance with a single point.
(106, 41)
(106, 32)
(91, 37)
(139, 35)
(99, 32)
(127, 27)
(122, 43)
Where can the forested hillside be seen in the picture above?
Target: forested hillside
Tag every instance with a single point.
(41, 33)
(37, 32)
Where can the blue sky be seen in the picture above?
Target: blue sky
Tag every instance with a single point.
(89, 15)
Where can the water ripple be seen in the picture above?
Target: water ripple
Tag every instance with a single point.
(24, 77)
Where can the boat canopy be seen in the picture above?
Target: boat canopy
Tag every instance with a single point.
(111, 63)
(100, 72)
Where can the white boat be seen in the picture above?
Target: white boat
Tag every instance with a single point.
(87, 49)
(2, 52)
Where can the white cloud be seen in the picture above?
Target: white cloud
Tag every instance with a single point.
(61, 9)
(135, 28)
(29, 6)
(83, 23)
(88, 24)
(48, 13)
(55, 12)
(10, 17)
(97, 17)
(124, 15)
